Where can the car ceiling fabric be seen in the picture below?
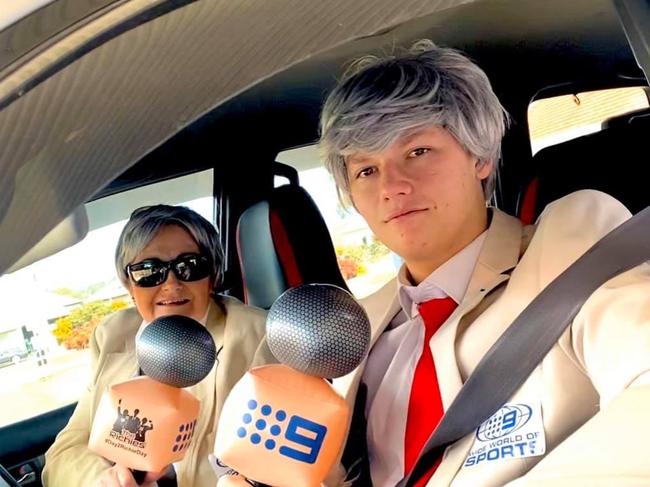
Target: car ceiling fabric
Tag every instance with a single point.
(67, 137)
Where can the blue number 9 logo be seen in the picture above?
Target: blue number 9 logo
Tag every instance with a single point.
(509, 420)
(295, 433)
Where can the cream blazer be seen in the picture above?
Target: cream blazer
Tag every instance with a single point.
(592, 385)
(237, 330)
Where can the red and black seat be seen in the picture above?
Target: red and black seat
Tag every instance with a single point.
(283, 242)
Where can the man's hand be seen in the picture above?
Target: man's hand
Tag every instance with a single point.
(118, 476)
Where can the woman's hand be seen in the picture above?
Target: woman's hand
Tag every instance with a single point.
(118, 476)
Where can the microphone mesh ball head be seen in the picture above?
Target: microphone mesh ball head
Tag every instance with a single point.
(176, 350)
(318, 329)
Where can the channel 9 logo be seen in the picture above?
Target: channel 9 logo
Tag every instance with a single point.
(272, 430)
(506, 420)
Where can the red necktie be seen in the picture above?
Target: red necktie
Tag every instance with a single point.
(425, 403)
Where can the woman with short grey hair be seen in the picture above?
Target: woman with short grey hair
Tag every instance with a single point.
(380, 100)
(145, 223)
(169, 258)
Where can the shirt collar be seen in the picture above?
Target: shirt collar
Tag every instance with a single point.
(450, 279)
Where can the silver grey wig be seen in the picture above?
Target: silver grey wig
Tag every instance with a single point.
(144, 224)
(381, 99)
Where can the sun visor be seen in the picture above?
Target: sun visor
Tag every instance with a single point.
(70, 231)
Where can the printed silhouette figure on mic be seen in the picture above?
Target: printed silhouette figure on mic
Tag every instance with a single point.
(131, 427)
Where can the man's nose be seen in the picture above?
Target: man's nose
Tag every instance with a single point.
(394, 181)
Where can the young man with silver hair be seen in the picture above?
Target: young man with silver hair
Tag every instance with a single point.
(413, 142)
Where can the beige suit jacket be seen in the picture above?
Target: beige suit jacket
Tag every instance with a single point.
(592, 388)
(237, 330)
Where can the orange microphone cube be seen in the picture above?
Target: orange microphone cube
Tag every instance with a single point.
(281, 427)
(143, 424)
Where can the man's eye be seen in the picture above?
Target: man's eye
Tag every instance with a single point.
(365, 172)
(419, 151)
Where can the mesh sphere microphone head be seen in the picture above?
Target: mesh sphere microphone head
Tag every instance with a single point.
(318, 329)
(176, 350)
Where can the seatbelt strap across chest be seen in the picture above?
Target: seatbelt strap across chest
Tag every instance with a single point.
(509, 362)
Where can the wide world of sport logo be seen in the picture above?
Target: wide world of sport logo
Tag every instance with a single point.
(506, 420)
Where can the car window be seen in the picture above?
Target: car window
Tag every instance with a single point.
(365, 263)
(52, 306)
(561, 118)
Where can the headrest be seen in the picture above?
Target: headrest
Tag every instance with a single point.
(283, 242)
(613, 160)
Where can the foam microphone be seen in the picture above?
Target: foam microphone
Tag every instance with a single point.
(284, 425)
(148, 422)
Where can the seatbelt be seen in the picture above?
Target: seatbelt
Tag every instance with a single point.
(518, 351)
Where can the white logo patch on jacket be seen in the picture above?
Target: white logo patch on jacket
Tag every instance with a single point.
(514, 431)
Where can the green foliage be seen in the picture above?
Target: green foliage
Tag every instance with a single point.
(73, 331)
(376, 251)
(353, 259)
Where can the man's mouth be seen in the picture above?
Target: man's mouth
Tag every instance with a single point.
(402, 213)
(173, 302)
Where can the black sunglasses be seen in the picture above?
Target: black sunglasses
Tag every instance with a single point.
(153, 272)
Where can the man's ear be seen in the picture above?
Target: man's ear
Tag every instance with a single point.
(484, 168)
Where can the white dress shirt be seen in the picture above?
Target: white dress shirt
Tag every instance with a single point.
(391, 365)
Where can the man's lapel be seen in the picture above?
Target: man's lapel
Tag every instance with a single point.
(500, 254)
(381, 307)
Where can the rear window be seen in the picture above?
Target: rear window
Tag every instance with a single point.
(561, 118)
